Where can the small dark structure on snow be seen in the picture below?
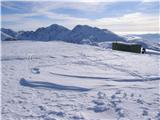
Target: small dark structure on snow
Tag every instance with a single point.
(136, 48)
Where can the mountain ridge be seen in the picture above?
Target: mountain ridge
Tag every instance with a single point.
(59, 32)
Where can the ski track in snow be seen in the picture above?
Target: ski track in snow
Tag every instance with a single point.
(62, 81)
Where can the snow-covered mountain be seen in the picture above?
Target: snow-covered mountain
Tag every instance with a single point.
(53, 32)
(5, 36)
(9, 32)
(94, 34)
(83, 34)
(77, 35)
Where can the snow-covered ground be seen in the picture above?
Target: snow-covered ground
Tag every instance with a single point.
(64, 81)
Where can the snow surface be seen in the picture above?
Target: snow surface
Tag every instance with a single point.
(64, 81)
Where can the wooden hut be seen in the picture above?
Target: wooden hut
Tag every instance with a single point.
(136, 48)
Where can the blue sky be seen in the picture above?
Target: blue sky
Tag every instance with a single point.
(120, 17)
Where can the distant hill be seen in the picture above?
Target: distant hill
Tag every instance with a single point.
(151, 37)
(150, 41)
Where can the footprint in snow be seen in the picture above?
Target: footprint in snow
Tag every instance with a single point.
(145, 113)
(118, 92)
(124, 95)
(120, 112)
(35, 70)
(100, 108)
(101, 95)
(158, 116)
(78, 116)
(55, 113)
(100, 103)
(115, 101)
(139, 101)
(132, 95)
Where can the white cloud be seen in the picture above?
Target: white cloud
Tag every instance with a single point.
(134, 22)
(82, 6)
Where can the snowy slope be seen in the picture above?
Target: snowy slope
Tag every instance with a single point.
(64, 81)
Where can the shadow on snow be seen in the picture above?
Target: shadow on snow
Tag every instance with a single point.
(40, 84)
